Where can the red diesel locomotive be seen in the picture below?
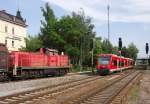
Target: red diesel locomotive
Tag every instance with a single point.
(29, 64)
(107, 63)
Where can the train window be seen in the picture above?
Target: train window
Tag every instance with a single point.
(126, 63)
(114, 62)
(2, 54)
(122, 63)
(104, 60)
(129, 63)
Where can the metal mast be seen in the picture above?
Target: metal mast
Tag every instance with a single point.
(108, 8)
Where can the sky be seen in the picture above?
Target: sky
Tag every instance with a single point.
(129, 19)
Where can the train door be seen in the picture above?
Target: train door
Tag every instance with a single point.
(114, 64)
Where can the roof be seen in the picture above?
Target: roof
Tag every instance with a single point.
(142, 58)
(106, 55)
(113, 56)
(12, 19)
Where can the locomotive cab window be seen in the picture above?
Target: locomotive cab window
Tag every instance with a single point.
(104, 60)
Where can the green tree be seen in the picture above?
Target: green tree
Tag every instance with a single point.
(107, 47)
(124, 52)
(48, 33)
(98, 46)
(132, 51)
(77, 31)
(115, 50)
(33, 43)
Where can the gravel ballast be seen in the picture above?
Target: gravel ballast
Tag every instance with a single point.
(28, 85)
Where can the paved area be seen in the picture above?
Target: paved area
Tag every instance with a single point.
(145, 88)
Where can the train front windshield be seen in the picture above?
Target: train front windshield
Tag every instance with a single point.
(103, 60)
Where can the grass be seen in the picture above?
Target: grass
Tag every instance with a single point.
(81, 69)
(134, 94)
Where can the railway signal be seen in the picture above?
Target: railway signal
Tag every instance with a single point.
(120, 47)
(147, 48)
(120, 44)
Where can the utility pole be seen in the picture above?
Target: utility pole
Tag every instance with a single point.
(108, 9)
(92, 59)
(81, 51)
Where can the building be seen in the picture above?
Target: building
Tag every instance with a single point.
(13, 30)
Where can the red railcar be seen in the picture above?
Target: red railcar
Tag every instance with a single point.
(38, 63)
(107, 63)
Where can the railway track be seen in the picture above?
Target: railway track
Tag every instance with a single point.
(38, 78)
(37, 93)
(107, 94)
(81, 94)
(74, 92)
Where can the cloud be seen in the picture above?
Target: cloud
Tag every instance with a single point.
(137, 11)
(141, 6)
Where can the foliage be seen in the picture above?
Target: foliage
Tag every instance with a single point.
(48, 33)
(124, 52)
(107, 47)
(132, 51)
(98, 46)
(32, 44)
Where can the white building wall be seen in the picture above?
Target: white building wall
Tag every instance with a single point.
(20, 33)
